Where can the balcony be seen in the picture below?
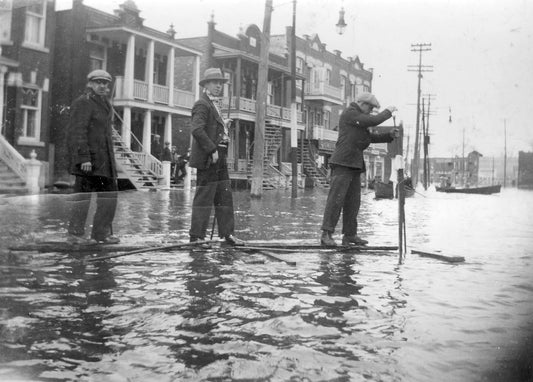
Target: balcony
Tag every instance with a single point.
(181, 98)
(324, 92)
(274, 112)
(319, 132)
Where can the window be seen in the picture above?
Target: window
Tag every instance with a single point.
(270, 95)
(328, 76)
(31, 111)
(97, 56)
(343, 86)
(35, 23)
(299, 65)
(326, 119)
(253, 42)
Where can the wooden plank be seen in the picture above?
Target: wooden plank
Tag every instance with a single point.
(313, 247)
(449, 259)
(61, 246)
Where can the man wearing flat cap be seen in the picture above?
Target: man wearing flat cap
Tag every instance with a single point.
(208, 155)
(347, 163)
(92, 161)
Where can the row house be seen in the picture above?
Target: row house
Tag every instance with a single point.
(154, 88)
(330, 82)
(238, 57)
(26, 46)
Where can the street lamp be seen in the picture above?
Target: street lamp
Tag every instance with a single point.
(341, 24)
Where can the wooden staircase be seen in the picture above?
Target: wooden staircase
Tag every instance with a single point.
(10, 182)
(130, 165)
(272, 178)
(311, 168)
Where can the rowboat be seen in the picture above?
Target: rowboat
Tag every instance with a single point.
(487, 190)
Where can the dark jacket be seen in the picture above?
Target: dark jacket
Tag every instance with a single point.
(89, 136)
(355, 137)
(207, 131)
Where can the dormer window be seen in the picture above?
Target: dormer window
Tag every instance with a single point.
(253, 42)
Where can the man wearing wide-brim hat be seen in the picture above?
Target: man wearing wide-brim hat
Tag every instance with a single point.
(347, 163)
(92, 161)
(208, 155)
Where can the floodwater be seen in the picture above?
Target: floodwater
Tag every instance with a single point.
(219, 316)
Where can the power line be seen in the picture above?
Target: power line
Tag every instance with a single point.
(419, 48)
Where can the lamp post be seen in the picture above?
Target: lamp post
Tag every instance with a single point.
(341, 24)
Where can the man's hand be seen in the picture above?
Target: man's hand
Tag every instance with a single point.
(395, 133)
(86, 166)
(227, 122)
(392, 109)
(214, 157)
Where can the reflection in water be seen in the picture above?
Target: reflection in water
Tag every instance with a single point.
(180, 316)
(204, 284)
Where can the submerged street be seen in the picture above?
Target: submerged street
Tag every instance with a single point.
(216, 315)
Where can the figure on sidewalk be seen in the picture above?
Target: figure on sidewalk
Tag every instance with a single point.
(181, 169)
(208, 155)
(167, 155)
(92, 161)
(156, 149)
(347, 163)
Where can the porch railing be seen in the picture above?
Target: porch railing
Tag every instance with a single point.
(273, 111)
(12, 158)
(319, 132)
(161, 93)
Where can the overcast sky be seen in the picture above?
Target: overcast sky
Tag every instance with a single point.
(481, 53)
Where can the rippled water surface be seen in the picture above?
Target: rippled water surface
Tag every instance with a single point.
(230, 316)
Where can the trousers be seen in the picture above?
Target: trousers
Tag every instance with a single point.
(344, 195)
(106, 205)
(213, 187)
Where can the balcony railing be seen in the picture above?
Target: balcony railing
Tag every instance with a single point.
(319, 132)
(273, 111)
(161, 93)
(323, 89)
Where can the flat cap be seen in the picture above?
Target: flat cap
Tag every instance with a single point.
(99, 74)
(368, 98)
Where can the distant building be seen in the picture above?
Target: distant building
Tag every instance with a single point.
(525, 169)
(26, 44)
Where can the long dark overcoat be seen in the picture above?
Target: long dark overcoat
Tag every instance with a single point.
(89, 136)
(355, 136)
(207, 131)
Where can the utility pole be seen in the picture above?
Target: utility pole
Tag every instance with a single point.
(294, 111)
(427, 175)
(423, 47)
(505, 152)
(260, 106)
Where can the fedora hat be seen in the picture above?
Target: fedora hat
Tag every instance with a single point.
(212, 74)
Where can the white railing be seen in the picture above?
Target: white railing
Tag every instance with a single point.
(183, 98)
(319, 132)
(140, 90)
(274, 111)
(323, 89)
(12, 158)
(247, 105)
(149, 162)
(161, 94)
